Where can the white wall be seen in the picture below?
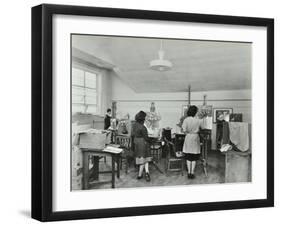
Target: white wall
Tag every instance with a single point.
(169, 105)
(105, 91)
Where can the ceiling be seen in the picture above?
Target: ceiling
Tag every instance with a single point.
(205, 65)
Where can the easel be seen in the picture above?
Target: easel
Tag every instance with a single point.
(189, 96)
(156, 141)
(205, 136)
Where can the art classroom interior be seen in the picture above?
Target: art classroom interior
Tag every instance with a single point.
(159, 112)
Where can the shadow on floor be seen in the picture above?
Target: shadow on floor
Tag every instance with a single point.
(25, 213)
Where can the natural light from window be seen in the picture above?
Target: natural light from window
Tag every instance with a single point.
(84, 91)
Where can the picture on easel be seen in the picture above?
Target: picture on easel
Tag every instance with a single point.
(203, 110)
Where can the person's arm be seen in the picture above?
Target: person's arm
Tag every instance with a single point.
(105, 123)
(184, 126)
(201, 124)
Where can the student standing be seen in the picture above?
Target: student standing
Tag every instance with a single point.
(107, 119)
(141, 144)
(191, 147)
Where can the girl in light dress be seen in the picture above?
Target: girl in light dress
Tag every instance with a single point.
(191, 148)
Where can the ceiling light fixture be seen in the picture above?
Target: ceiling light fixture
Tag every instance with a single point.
(161, 64)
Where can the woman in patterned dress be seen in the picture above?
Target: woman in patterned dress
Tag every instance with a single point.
(141, 144)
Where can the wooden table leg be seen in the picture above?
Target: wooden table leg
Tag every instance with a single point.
(96, 167)
(205, 159)
(85, 171)
(226, 168)
(205, 167)
(113, 171)
(182, 166)
(118, 158)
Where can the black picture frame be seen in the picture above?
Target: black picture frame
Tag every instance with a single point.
(42, 107)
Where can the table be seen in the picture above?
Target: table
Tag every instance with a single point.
(237, 166)
(96, 154)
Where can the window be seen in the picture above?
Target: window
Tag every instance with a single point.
(84, 91)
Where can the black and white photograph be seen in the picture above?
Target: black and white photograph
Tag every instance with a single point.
(141, 112)
(149, 111)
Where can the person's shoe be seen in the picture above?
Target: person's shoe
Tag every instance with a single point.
(139, 177)
(147, 177)
(189, 176)
(192, 176)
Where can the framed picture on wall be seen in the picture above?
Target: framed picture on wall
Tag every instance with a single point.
(222, 114)
(93, 66)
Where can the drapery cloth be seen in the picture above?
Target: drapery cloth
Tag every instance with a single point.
(236, 134)
(239, 135)
(191, 127)
(225, 136)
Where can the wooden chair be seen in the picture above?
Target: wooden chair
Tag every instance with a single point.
(174, 161)
(205, 143)
(156, 149)
(127, 155)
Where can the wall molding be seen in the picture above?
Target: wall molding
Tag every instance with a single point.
(183, 100)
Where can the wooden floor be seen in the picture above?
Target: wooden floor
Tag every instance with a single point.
(216, 169)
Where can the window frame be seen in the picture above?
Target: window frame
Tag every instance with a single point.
(85, 69)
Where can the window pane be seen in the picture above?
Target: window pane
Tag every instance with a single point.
(78, 91)
(91, 80)
(77, 77)
(84, 99)
(91, 92)
(77, 108)
(77, 99)
(91, 100)
(92, 109)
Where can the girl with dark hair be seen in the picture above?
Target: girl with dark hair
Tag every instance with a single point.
(191, 147)
(107, 119)
(141, 144)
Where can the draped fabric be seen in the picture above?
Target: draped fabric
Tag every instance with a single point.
(235, 134)
(225, 133)
(239, 135)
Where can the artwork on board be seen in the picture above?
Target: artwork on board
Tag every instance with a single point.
(203, 110)
(184, 110)
(237, 117)
(205, 113)
(183, 115)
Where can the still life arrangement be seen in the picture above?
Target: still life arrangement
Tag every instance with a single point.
(152, 120)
